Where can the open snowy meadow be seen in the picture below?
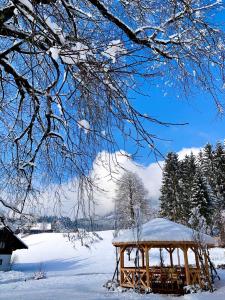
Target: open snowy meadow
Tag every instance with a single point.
(78, 272)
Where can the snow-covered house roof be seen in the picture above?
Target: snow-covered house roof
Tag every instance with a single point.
(9, 241)
(163, 231)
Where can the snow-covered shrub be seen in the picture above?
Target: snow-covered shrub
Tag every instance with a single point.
(86, 238)
(190, 289)
(113, 285)
(208, 287)
(97, 236)
(148, 290)
(39, 275)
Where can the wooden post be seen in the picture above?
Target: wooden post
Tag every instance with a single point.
(187, 272)
(117, 262)
(147, 265)
(178, 257)
(121, 265)
(143, 257)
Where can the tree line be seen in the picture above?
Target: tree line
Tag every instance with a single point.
(193, 189)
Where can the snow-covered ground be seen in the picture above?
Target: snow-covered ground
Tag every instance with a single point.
(77, 273)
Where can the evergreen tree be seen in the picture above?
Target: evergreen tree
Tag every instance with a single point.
(206, 165)
(131, 201)
(200, 203)
(193, 190)
(170, 190)
(187, 172)
(219, 174)
(219, 189)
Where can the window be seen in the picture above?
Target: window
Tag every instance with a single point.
(2, 245)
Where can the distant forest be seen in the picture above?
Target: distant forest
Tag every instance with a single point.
(61, 224)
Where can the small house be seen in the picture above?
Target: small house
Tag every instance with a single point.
(180, 242)
(9, 242)
(41, 227)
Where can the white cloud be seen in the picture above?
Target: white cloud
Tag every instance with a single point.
(107, 170)
(118, 163)
(185, 151)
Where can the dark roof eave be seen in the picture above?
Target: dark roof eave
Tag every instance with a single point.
(17, 242)
(160, 243)
(22, 247)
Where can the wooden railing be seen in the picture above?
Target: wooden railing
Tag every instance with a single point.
(131, 277)
(159, 278)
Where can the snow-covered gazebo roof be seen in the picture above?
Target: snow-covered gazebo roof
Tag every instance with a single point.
(163, 231)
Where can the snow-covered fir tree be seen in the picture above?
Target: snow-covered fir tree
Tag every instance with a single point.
(170, 191)
(206, 164)
(219, 174)
(195, 187)
(200, 202)
(131, 201)
(187, 173)
(219, 190)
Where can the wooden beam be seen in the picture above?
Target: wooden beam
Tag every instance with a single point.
(158, 244)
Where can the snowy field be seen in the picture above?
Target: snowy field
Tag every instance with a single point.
(77, 273)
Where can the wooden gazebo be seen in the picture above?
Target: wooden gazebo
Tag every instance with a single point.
(176, 240)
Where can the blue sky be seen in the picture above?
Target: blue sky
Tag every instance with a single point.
(167, 104)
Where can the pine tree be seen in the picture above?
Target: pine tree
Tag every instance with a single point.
(187, 173)
(219, 189)
(207, 165)
(219, 174)
(200, 203)
(193, 190)
(170, 190)
(131, 201)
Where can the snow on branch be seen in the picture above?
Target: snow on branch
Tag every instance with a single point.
(68, 67)
(84, 124)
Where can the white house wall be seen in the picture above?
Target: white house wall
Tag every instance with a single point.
(5, 262)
